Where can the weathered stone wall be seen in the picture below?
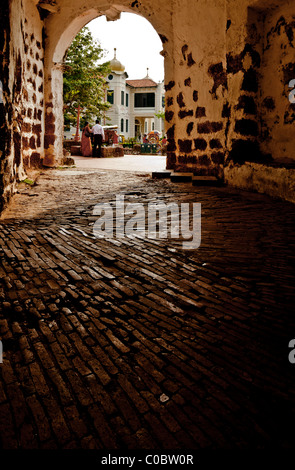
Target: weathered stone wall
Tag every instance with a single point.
(29, 99)
(6, 178)
(260, 64)
(23, 88)
(243, 55)
(196, 97)
(276, 182)
(277, 69)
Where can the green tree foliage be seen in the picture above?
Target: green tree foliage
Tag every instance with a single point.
(160, 115)
(84, 81)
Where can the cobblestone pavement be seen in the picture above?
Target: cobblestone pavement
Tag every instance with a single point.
(139, 344)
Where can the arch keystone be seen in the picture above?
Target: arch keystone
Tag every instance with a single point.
(113, 14)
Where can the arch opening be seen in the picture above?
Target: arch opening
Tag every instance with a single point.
(134, 88)
(57, 47)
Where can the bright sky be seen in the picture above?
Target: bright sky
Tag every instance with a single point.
(137, 42)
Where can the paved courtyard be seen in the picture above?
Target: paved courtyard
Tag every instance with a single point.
(148, 163)
(139, 344)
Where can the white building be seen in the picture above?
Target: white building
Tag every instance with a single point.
(134, 102)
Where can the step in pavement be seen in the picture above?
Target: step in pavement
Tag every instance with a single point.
(178, 177)
(206, 181)
(161, 174)
(181, 177)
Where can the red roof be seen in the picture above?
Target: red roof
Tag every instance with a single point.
(142, 83)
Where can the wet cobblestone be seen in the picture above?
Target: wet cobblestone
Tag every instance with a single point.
(137, 343)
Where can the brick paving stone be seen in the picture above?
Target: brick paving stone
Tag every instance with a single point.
(40, 419)
(57, 420)
(140, 404)
(105, 360)
(103, 429)
(137, 343)
(80, 366)
(117, 343)
(123, 434)
(39, 380)
(8, 438)
(100, 395)
(162, 435)
(90, 443)
(60, 386)
(99, 371)
(76, 422)
(81, 392)
(3, 397)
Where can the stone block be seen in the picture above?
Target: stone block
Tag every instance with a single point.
(76, 149)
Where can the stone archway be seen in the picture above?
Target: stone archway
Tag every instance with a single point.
(35, 37)
(212, 61)
(59, 38)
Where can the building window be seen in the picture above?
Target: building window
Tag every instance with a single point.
(144, 100)
(153, 126)
(110, 96)
(127, 100)
(122, 125)
(163, 101)
(127, 125)
(145, 126)
(110, 77)
(122, 97)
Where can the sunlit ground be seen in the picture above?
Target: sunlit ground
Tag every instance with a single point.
(146, 163)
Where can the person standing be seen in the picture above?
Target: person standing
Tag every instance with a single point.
(86, 146)
(115, 138)
(98, 137)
